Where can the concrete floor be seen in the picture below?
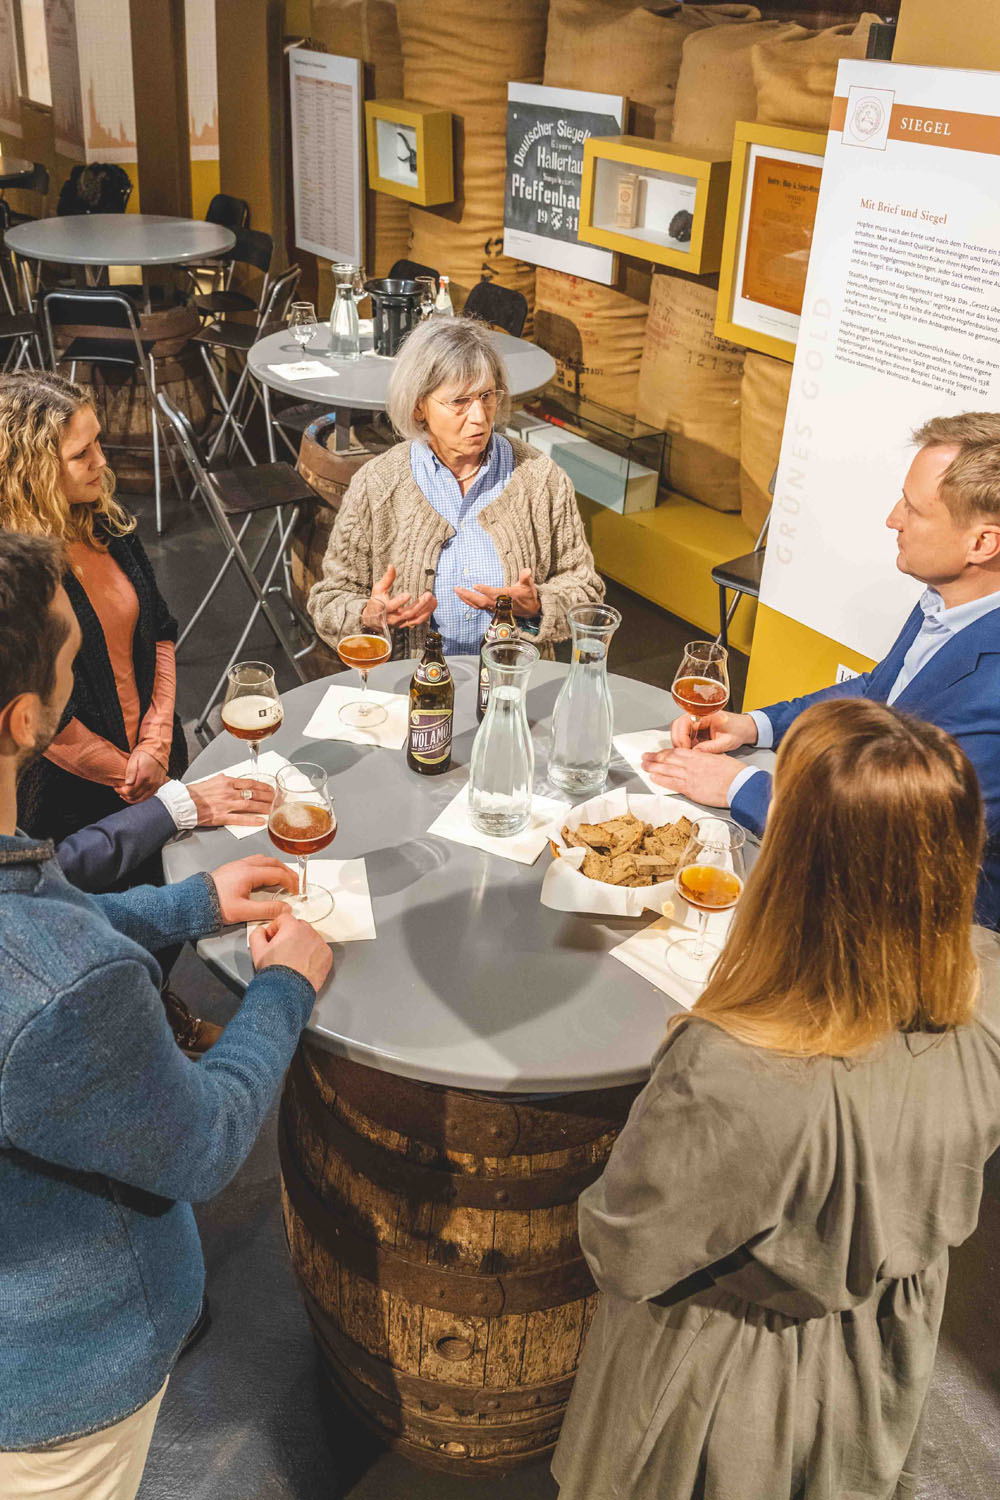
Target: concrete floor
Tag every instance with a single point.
(245, 1416)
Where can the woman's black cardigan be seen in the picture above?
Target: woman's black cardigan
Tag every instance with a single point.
(52, 803)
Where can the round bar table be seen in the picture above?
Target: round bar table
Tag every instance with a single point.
(144, 240)
(361, 385)
(462, 1079)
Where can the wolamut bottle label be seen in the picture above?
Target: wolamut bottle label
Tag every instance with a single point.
(430, 728)
(494, 633)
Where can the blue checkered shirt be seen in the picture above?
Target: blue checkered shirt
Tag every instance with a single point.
(469, 557)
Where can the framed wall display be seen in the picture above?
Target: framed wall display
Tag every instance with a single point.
(661, 202)
(546, 131)
(773, 193)
(326, 154)
(410, 151)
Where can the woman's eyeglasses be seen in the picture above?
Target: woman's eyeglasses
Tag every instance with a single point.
(461, 404)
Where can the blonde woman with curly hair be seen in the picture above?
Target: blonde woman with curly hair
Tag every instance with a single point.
(772, 1230)
(120, 738)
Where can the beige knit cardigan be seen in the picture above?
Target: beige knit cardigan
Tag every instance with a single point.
(385, 518)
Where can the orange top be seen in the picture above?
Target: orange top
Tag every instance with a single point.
(78, 749)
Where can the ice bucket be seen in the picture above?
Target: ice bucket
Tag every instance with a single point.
(395, 310)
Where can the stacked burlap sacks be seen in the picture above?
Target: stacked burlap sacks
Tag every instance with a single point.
(689, 384)
(795, 78)
(595, 333)
(369, 31)
(460, 55)
(715, 86)
(763, 399)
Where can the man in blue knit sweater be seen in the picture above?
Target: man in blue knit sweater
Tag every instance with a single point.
(107, 1132)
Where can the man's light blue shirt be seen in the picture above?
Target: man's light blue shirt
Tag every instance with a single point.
(939, 626)
(470, 556)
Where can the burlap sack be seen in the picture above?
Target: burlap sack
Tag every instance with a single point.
(715, 87)
(795, 78)
(595, 336)
(460, 55)
(618, 47)
(766, 384)
(369, 31)
(689, 383)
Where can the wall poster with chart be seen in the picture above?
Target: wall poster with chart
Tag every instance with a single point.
(327, 154)
(546, 129)
(773, 194)
(900, 323)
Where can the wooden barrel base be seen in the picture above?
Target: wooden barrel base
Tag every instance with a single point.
(433, 1232)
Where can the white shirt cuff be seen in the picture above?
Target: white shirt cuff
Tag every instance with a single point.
(741, 780)
(179, 804)
(765, 730)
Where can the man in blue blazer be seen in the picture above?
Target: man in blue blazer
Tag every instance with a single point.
(945, 664)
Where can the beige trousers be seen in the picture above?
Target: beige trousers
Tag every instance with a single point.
(105, 1465)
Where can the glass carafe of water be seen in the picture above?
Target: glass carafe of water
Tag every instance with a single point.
(503, 755)
(583, 718)
(345, 335)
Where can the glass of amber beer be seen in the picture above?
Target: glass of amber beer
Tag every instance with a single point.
(709, 878)
(368, 646)
(251, 709)
(301, 822)
(701, 682)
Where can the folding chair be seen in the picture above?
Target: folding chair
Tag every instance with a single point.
(232, 213)
(18, 330)
(227, 336)
(409, 270)
(742, 575)
(232, 498)
(253, 248)
(110, 309)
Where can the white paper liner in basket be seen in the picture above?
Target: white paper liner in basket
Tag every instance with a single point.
(565, 889)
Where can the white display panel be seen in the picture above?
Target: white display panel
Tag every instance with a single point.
(326, 154)
(899, 324)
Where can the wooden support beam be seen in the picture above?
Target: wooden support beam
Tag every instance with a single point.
(159, 71)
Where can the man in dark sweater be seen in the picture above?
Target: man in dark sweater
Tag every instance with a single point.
(107, 1132)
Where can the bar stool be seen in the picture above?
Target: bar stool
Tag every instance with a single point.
(233, 497)
(741, 576)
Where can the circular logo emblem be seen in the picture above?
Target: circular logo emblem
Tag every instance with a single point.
(433, 672)
(869, 117)
(504, 632)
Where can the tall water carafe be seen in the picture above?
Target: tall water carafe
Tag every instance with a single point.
(345, 335)
(503, 755)
(583, 718)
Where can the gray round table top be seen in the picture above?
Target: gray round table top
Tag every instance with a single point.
(362, 384)
(470, 982)
(12, 168)
(119, 240)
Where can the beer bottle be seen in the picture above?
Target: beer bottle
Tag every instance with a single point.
(501, 628)
(432, 709)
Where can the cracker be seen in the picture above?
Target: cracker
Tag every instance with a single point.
(624, 851)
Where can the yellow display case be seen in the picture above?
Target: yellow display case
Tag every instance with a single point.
(773, 192)
(674, 195)
(410, 151)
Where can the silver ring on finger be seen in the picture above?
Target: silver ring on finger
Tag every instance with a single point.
(246, 794)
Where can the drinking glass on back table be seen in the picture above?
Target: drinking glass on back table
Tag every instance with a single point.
(369, 646)
(428, 291)
(251, 709)
(301, 325)
(301, 822)
(710, 879)
(701, 682)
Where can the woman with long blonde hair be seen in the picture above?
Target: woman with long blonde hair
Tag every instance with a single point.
(120, 739)
(771, 1233)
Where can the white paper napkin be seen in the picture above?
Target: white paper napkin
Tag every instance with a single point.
(525, 847)
(352, 918)
(326, 723)
(270, 764)
(632, 747)
(304, 369)
(646, 952)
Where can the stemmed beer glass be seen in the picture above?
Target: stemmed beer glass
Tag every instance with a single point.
(367, 647)
(301, 325)
(710, 879)
(701, 682)
(251, 709)
(301, 822)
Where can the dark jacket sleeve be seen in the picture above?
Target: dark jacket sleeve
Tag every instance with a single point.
(749, 806)
(129, 1104)
(783, 715)
(104, 854)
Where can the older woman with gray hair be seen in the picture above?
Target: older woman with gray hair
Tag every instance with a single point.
(456, 513)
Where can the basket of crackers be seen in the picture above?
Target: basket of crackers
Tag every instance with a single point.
(617, 854)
